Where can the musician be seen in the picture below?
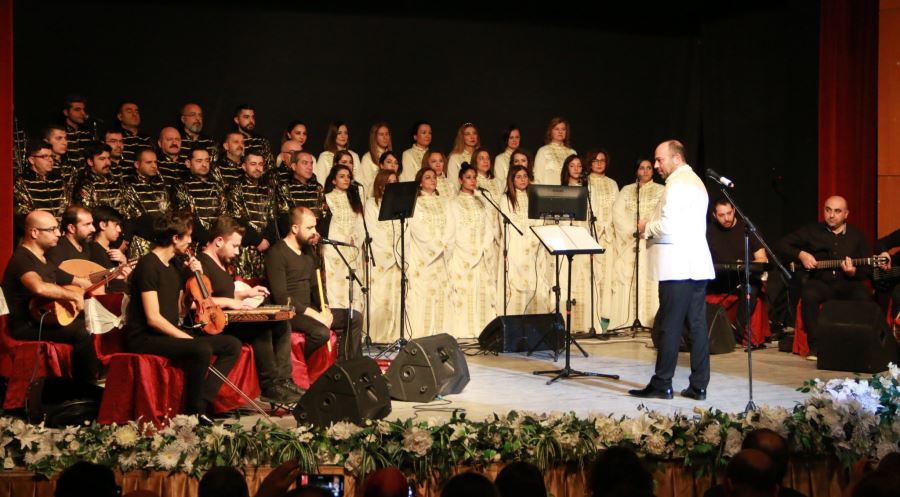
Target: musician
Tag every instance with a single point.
(271, 340)
(291, 269)
(725, 235)
(192, 132)
(55, 136)
(203, 191)
(680, 261)
(78, 130)
(250, 200)
(303, 189)
(245, 123)
(883, 247)
(40, 187)
(833, 238)
(104, 248)
(129, 120)
(153, 317)
(29, 274)
(96, 185)
(77, 225)
(171, 164)
(113, 138)
(145, 193)
(229, 163)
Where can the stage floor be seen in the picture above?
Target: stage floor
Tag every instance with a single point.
(505, 382)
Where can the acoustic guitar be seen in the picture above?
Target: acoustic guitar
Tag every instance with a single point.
(875, 260)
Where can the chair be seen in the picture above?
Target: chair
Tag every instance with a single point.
(18, 359)
(305, 374)
(759, 320)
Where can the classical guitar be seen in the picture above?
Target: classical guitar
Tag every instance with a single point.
(875, 260)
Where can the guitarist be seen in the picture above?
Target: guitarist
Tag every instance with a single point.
(29, 274)
(77, 226)
(833, 239)
(883, 247)
(105, 249)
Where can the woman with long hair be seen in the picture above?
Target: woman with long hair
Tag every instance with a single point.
(550, 157)
(512, 138)
(602, 190)
(437, 162)
(337, 138)
(379, 143)
(473, 270)
(572, 174)
(346, 226)
(414, 157)
(464, 146)
(429, 238)
(384, 276)
(295, 130)
(526, 285)
(484, 169)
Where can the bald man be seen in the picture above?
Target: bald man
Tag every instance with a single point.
(29, 274)
(832, 239)
(171, 167)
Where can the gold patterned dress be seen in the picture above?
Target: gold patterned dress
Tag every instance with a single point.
(623, 282)
(603, 192)
(548, 163)
(326, 160)
(428, 237)
(412, 162)
(472, 267)
(526, 287)
(454, 163)
(384, 276)
(345, 226)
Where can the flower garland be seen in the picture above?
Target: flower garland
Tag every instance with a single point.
(847, 419)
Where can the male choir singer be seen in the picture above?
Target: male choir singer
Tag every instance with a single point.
(681, 262)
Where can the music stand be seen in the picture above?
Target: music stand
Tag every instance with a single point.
(399, 202)
(568, 241)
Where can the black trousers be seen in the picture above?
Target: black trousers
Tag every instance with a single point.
(680, 300)
(317, 334)
(271, 342)
(85, 365)
(816, 292)
(194, 356)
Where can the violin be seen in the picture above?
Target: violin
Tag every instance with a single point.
(206, 313)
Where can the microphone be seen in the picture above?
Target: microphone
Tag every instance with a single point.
(335, 242)
(483, 190)
(720, 179)
(357, 184)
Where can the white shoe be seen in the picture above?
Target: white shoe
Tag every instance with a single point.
(812, 358)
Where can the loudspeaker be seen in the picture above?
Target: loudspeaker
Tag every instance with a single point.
(721, 336)
(854, 336)
(428, 367)
(60, 402)
(521, 333)
(352, 391)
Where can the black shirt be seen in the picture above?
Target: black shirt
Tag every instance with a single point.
(887, 243)
(823, 244)
(222, 282)
(727, 244)
(98, 254)
(151, 275)
(63, 251)
(17, 295)
(292, 275)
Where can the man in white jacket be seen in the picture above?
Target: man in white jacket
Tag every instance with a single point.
(681, 262)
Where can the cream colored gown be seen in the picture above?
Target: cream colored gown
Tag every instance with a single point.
(454, 163)
(429, 238)
(603, 194)
(326, 160)
(548, 163)
(472, 267)
(412, 162)
(346, 226)
(526, 287)
(384, 277)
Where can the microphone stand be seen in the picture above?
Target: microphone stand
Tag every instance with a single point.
(592, 219)
(351, 277)
(368, 256)
(750, 229)
(506, 223)
(636, 327)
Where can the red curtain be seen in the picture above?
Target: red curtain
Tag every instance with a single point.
(848, 107)
(6, 130)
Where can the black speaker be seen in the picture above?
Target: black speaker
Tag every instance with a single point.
(523, 332)
(721, 336)
(428, 367)
(352, 391)
(854, 336)
(62, 402)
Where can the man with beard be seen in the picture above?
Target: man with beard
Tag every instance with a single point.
(271, 340)
(192, 132)
(78, 226)
(245, 123)
(79, 133)
(202, 193)
(113, 138)
(145, 193)
(249, 200)
(171, 166)
(40, 187)
(104, 249)
(129, 117)
(229, 163)
(95, 185)
(291, 266)
(29, 274)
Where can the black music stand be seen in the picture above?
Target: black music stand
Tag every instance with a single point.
(568, 241)
(399, 202)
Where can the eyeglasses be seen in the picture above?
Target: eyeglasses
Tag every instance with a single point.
(43, 156)
(49, 230)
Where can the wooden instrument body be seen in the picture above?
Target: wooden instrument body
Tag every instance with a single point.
(59, 313)
(207, 311)
(81, 268)
(261, 313)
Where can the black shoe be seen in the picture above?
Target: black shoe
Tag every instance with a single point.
(650, 392)
(694, 393)
(278, 393)
(292, 387)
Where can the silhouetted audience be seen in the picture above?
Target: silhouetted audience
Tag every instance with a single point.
(223, 481)
(878, 483)
(86, 478)
(469, 485)
(776, 447)
(619, 471)
(751, 473)
(520, 479)
(309, 491)
(386, 482)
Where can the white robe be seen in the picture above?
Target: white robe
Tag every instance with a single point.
(429, 238)
(472, 268)
(412, 162)
(526, 288)
(501, 164)
(623, 282)
(346, 226)
(454, 163)
(603, 194)
(366, 171)
(447, 187)
(384, 276)
(548, 163)
(326, 160)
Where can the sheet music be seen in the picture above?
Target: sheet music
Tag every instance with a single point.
(563, 239)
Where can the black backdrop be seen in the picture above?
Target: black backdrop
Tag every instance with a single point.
(738, 86)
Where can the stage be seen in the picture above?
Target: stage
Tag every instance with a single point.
(505, 382)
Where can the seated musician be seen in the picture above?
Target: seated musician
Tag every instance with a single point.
(271, 340)
(725, 235)
(105, 249)
(152, 325)
(291, 268)
(833, 239)
(891, 288)
(77, 226)
(29, 274)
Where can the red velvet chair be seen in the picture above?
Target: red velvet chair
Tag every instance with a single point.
(759, 320)
(305, 374)
(18, 359)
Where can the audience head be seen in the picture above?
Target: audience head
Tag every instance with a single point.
(751, 473)
(469, 485)
(223, 481)
(86, 478)
(878, 484)
(617, 466)
(309, 491)
(386, 482)
(520, 479)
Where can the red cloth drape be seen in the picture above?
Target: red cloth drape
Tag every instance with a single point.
(6, 130)
(848, 107)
